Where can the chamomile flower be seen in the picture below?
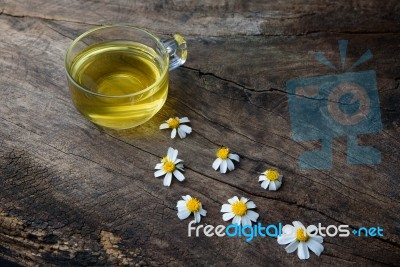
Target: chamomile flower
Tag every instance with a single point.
(271, 179)
(188, 206)
(224, 160)
(176, 124)
(298, 238)
(240, 211)
(170, 166)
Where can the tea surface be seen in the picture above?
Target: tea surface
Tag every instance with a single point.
(113, 71)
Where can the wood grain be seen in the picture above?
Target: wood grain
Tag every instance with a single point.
(72, 193)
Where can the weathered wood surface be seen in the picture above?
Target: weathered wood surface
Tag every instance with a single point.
(74, 194)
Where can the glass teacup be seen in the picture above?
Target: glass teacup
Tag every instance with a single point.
(118, 74)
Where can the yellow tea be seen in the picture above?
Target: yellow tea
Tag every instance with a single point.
(128, 83)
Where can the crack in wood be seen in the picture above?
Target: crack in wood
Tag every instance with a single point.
(245, 88)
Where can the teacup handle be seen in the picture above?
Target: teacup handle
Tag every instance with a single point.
(177, 50)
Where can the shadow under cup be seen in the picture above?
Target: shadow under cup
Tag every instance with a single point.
(118, 75)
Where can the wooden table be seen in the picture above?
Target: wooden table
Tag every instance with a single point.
(74, 194)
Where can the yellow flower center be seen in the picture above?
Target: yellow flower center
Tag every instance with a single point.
(239, 208)
(301, 235)
(223, 153)
(272, 175)
(164, 159)
(193, 205)
(169, 166)
(173, 123)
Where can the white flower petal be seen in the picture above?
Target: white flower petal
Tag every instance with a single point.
(243, 199)
(174, 155)
(187, 197)
(265, 184)
(261, 178)
(182, 209)
(237, 220)
(159, 173)
(167, 179)
(292, 246)
(158, 166)
(251, 205)
(181, 203)
(216, 163)
(183, 214)
(176, 161)
(227, 216)
(186, 129)
(252, 215)
(179, 166)
(197, 217)
(181, 133)
(170, 153)
(164, 126)
(298, 224)
(233, 200)
(315, 246)
(286, 239)
(231, 166)
(226, 208)
(203, 212)
(302, 251)
(179, 175)
(317, 238)
(234, 157)
(223, 166)
(184, 120)
(272, 186)
(246, 220)
(173, 133)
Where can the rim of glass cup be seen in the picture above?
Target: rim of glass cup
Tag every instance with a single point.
(80, 37)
